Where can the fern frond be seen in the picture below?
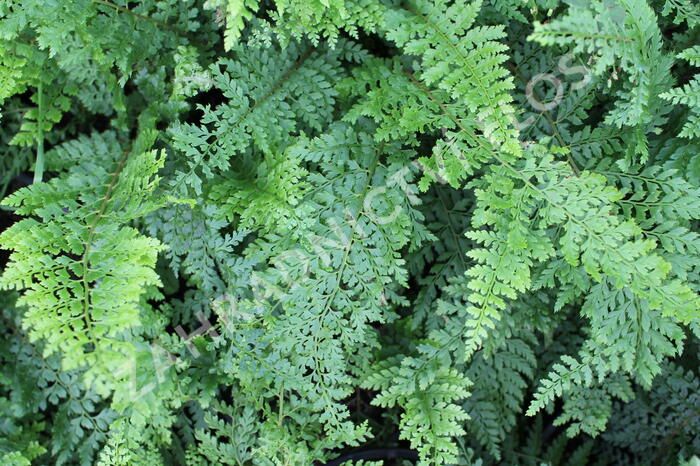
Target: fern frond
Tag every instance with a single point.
(683, 10)
(658, 420)
(626, 35)
(295, 19)
(427, 393)
(266, 105)
(689, 95)
(500, 381)
(691, 55)
(83, 269)
(464, 61)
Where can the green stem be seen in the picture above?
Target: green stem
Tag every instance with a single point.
(39, 167)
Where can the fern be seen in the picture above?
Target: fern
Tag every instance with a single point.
(84, 269)
(682, 11)
(444, 35)
(286, 232)
(654, 421)
(427, 396)
(495, 402)
(263, 114)
(626, 36)
(315, 19)
(688, 95)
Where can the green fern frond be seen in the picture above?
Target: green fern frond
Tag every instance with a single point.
(82, 267)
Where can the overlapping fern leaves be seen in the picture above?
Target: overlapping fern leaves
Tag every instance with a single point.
(85, 269)
(318, 236)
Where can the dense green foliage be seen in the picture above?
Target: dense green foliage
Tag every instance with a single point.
(273, 232)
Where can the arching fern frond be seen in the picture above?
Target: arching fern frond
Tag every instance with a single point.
(83, 269)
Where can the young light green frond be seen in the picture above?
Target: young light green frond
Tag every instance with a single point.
(233, 14)
(82, 268)
(687, 95)
(564, 376)
(691, 55)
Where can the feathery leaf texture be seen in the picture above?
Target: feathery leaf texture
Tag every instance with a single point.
(266, 233)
